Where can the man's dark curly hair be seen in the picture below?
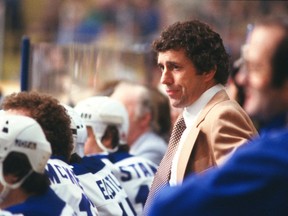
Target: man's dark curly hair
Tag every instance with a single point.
(202, 45)
(51, 116)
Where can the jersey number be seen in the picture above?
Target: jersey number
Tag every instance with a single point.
(127, 207)
(85, 206)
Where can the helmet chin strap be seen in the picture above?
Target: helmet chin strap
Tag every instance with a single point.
(104, 148)
(7, 187)
(3, 194)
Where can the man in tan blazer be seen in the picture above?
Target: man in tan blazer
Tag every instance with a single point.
(194, 66)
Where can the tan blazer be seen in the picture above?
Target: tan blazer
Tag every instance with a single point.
(221, 127)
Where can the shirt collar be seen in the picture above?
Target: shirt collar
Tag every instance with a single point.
(190, 113)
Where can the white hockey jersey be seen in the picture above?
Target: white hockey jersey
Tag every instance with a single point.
(102, 187)
(135, 174)
(67, 186)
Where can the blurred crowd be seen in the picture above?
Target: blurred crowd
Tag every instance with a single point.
(127, 25)
(129, 22)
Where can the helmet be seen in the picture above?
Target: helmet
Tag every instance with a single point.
(101, 111)
(78, 128)
(23, 134)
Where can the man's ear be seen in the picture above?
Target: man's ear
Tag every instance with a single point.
(209, 75)
(145, 120)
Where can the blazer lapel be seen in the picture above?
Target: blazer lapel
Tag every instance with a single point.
(193, 134)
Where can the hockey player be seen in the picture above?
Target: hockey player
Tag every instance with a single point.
(79, 132)
(99, 183)
(55, 122)
(107, 125)
(24, 152)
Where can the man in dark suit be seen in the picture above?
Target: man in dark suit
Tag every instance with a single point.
(194, 67)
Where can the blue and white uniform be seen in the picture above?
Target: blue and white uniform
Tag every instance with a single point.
(102, 187)
(48, 204)
(135, 175)
(67, 186)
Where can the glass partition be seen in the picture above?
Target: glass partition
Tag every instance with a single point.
(71, 73)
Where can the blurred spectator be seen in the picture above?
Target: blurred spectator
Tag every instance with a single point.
(162, 113)
(147, 19)
(99, 18)
(235, 81)
(71, 14)
(143, 139)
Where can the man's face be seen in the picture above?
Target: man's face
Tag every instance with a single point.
(261, 99)
(4, 196)
(179, 76)
(134, 129)
(91, 146)
(131, 104)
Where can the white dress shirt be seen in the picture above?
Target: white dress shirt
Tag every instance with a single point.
(190, 115)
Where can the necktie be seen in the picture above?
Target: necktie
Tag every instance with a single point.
(163, 173)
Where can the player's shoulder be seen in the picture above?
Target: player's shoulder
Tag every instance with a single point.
(137, 159)
(57, 161)
(88, 164)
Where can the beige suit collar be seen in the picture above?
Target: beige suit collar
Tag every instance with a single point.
(193, 134)
(217, 98)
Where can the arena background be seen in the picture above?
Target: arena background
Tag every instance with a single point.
(78, 46)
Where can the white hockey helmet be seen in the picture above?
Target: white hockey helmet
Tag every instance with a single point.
(101, 111)
(23, 134)
(79, 130)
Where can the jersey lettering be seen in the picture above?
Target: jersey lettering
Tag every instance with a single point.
(138, 170)
(63, 172)
(108, 187)
(54, 179)
(113, 182)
